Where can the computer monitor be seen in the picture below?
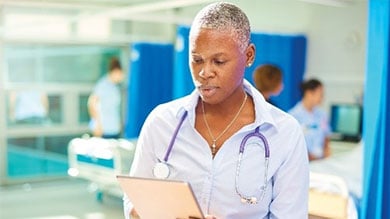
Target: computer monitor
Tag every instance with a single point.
(346, 121)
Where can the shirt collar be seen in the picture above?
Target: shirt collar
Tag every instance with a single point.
(263, 110)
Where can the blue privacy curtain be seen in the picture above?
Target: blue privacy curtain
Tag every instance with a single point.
(150, 82)
(286, 51)
(376, 121)
(182, 81)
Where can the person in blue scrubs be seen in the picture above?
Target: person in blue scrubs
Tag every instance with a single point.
(212, 123)
(104, 104)
(313, 119)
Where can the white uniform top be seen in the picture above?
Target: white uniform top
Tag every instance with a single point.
(315, 126)
(213, 180)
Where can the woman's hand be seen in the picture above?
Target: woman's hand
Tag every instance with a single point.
(134, 214)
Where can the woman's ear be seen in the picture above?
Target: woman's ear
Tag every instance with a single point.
(250, 54)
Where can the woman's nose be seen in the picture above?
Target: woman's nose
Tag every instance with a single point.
(206, 71)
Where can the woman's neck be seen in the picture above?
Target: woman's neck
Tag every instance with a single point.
(227, 106)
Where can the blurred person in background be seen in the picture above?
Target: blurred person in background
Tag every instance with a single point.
(28, 107)
(313, 119)
(268, 80)
(104, 104)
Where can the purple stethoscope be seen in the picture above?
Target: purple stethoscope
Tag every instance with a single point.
(161, 169)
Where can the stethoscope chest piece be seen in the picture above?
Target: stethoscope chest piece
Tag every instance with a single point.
(161, 170)
(251, 200)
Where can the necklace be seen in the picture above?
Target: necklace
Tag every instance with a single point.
(213, 146)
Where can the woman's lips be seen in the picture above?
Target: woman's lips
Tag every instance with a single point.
(207, 91)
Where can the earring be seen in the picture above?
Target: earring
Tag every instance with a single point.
(249, 64)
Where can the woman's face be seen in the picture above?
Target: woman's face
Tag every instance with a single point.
(217, 64)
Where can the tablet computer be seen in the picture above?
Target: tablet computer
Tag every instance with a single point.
(157, 198)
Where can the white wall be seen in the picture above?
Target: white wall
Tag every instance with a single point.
(336, 51)
(277, 16)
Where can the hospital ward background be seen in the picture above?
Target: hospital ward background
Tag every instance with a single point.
(52, 53)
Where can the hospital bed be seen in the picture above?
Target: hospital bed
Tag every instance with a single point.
(336, 183)
(328, 197)
(99, 161)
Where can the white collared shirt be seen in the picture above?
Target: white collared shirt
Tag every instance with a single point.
(213, 180)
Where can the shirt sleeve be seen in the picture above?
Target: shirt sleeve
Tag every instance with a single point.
(127, 207)
(143, 161)
(291, 182)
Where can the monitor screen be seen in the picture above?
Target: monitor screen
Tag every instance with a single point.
(346, 121)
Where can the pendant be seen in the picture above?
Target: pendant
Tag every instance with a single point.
(213, 148)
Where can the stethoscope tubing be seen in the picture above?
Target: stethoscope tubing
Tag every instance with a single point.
(168, 152)
(256, 133)
(164, 169)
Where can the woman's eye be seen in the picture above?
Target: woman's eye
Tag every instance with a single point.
(219, 62)
(196, 60)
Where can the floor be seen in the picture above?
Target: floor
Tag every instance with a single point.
(69, 198)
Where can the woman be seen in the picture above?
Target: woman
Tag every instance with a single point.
(220, 112)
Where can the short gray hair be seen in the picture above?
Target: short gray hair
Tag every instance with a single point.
(227, 17)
